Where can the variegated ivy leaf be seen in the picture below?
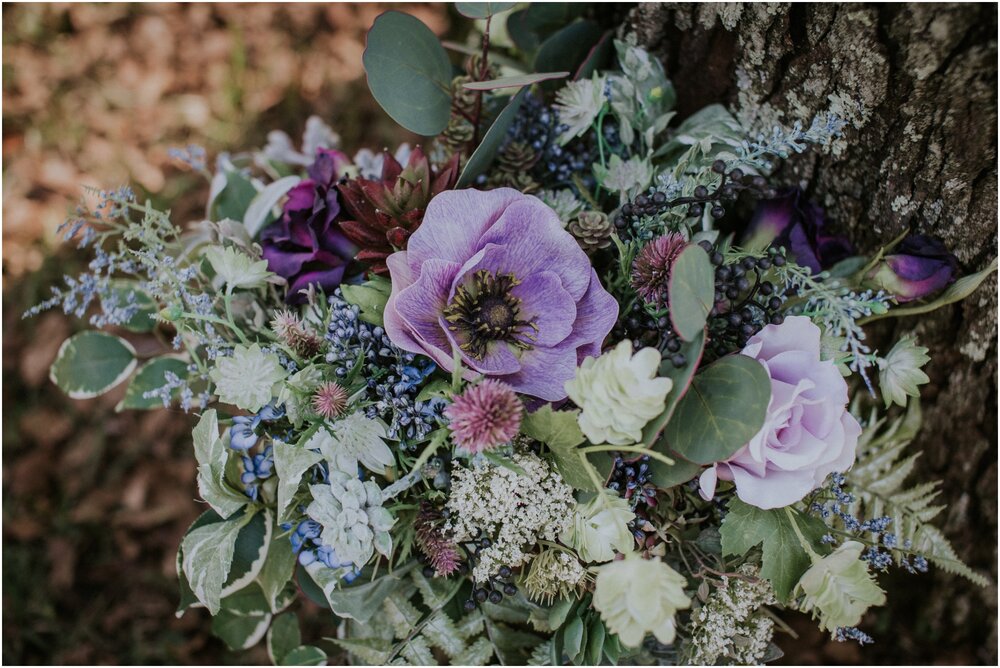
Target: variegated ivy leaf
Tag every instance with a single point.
(354, 440)
(291, 462)
(207, 556)
(899, 373)
(210, 452)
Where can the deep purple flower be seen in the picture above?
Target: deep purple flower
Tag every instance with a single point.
(493, 275)
(797, 224)
(306, 246)
(920, 265)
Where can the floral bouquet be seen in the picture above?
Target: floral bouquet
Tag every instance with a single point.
(576, 381)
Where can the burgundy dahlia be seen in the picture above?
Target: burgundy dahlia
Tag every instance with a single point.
(484, 416)
(651, 268)
(306, 245)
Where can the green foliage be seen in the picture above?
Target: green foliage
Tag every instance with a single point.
(284, 644)
(691, 290)
(877, 482)
(783, 559)
(150, 377)
(291, 462)
(212, 457)
(580, 636)
(234, 197)
(408, 73)
(207, 557)
(514, 81)
(371, 297)
(482, 10)
(560, 431)
(359, 602)
(568, 48)
(89, 364)
(483, 156)
(144, 319)
(529, 27)
(243, 619)
(723, 409)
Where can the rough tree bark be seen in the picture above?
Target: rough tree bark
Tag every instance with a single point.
(918, 84)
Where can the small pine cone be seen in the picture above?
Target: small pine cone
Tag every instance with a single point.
(456, 135)
(518, 180)
(473, 64)
(517, 157)
(592, 230)
(462, 99)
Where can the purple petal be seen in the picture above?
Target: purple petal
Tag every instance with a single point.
(544, 372)
(420, 307)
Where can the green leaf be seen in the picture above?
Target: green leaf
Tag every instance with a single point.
(373, 651)
(371, 297)
(598, 57)
(212, 457)
(259, 210)
(483, 156)
(409, 73)
(357, 602)
(283, 637)
(568, 48)
(595, 641)
(573, 638)
(722, 411)
(482, 10)
(151, 376)
(234, 199)
(243, 619)
(250, 552)
(783, 560)
(290, 463)
(277, 570)
(691, 291)
(305, 655)
(91, 363)
(529, 27)
(514, 81)
(144, 319)
(957, 291)
(207, 556)
(560, 430)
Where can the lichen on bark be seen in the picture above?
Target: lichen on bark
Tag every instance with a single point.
(917, 83)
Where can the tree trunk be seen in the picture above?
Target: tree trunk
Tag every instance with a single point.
(917, 82)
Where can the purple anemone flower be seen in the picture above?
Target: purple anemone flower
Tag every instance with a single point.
(919, 266)
(794, 222)
(306, 246)
(494, 276)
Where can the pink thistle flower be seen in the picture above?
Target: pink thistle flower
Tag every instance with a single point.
(651, 269)
(290, 330)
(329, 400)
(485, 416)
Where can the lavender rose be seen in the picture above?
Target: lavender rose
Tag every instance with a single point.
(807, 433)
(919, 266)
(797, 224)
(306, 246)
(493, 275)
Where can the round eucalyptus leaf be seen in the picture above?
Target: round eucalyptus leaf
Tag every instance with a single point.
(724, 408)
(482, 10)
(690, 291)
(409, 73)
(91, 363)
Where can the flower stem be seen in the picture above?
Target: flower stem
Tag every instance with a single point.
(638, 449)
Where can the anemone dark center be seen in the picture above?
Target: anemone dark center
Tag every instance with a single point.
(485, 310)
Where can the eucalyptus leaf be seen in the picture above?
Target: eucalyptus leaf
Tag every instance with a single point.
(722, 411)
(150, 377)
(409, 73)
(90, 363)
(482, 10)
(483, 156)
(691, 290)
(529, 27)
(568, 48)
(514, 81)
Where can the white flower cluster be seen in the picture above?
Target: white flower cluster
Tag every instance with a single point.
(514, 510)
(730, 626)
(554, 573)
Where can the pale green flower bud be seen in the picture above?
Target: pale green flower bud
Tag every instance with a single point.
(839, 589)
(237, 269)
(899, 374)
(619, 393)
(636, 596)
(600, 527)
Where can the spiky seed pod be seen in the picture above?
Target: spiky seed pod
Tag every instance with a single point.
(441, 552)
(290, 331)
(651, 269)
(592, 230)
(329, 400)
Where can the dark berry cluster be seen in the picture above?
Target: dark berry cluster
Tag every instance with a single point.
(632, 478)
(647, 325)
(744, 301)
(499, 584)
(731, 184)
